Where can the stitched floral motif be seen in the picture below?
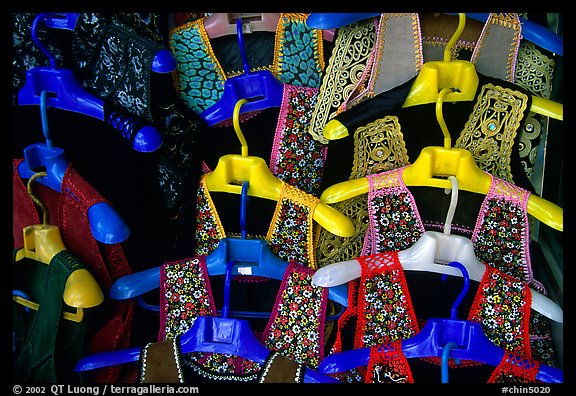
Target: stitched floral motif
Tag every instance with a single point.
(209, 230)
(394, 220)
(501, 235)
(385, 307)
(185, 294)
(290, 234)
(502, 307)
(296, 157)
(541, 343)
(296, 328)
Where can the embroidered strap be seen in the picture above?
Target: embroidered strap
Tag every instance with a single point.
(534, 70)
(160, 362)
(209, 229)
(199, 78)
(388, 365)
(491, 129)
(279, 369)
(378, 147)
(296, 157)
(385, 310)
(504, 208)
(185, 294)
(497, 47)
(515, 369)
(298, 52)
(502, 307)
(291, 231)
(397, 57)
(350, 55)
(394, 221)
(296, 326)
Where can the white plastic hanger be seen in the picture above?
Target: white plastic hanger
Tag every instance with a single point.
(431, 253)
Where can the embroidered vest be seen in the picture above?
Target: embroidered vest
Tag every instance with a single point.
(295, 328)
(380, 302)
(290, 234)
(388, 364)
(298, 60)
(395, 223)
(69, 211)
(160, 362)
(46, 346)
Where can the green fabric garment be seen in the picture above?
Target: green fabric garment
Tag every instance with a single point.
(46, 346)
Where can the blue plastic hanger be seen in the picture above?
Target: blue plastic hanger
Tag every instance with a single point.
(260, 88)
(66, 93)
(207, 334)
(471, 343)
(250, 257)
(105, 223)
(163, 62)
(531, 31)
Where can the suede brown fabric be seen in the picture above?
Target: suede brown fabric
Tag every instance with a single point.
(159, 363)
(282, 370)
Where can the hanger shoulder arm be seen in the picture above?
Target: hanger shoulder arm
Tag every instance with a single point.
(547, 107)
(333, 220)
(82, 290)
(545, 211)
(546, 307)
(345, 190)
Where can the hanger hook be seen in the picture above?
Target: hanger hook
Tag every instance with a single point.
(236, 122)
(462, 294)
(452, 207)
(44, 117)
(35, 199)
(455, 37)
(34, 31)
(440, 116)
(240, 33)
(243, 202)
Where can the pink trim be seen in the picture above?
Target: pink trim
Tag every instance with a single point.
(279, 133)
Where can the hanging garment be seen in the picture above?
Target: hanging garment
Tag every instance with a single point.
(46, 346)
(389, 365)
(496, 223)
(287, 224)
(493, 126)
(101, 46)
(161, 362)
(295, 328)
(293, 155)
(107, 262)
(382, 135)
(388, 304)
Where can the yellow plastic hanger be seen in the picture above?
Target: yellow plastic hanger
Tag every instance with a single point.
(233, 169)
(436, 75)
(435, 164)
(41, 243)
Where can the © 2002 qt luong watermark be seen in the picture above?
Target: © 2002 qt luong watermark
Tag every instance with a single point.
(102, 390)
